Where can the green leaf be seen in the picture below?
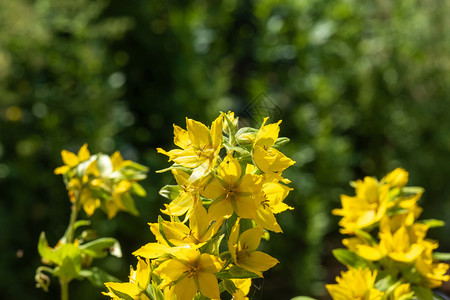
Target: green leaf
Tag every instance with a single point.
(235, 272)
(138, 189)
(213, 245)
(441, 255)
(170, 191)
(97, 276)
(281, 141)
(350, 258)
(422, 293)
(128, 202)
(432, 223)
(242, 152)
(68, 259)
(99, 248)
(81, 223)
(229, 286)
(412, 190)
(384, 283)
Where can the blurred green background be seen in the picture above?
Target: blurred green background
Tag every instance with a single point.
(362, 87)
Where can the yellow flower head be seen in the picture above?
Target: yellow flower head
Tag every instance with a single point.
(138, 281)
(268, 159)
(432, 271)
(355, 284)
(366, 208)
(199, 145)
(189, 272)
(243, 250)
(233, 192)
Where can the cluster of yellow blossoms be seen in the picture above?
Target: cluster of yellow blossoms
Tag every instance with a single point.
(92, 181)
(388, 255)
(229, 188)
(102, 181)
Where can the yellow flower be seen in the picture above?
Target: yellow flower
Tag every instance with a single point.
(433, 272)
(71, 159)
(355, 284)
(201, 229)
(189, 272)
(366, 208)
(402, 244)
(396, 178)
(402, 292)
(268, 159)
(232, 191)
(138, 281)
(243, 247)
(199, 145)
(189, 193)
(274, 194)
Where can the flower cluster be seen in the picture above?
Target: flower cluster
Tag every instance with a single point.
(388, 254)
(230, 186)
(102, 181)
(92, 181)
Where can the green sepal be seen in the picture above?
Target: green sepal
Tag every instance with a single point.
(120, 294)
(350, 258)
(280, 142)
(99, 248)
(170, 191)
(137, 189)
(243, 153)
(384, 282)
(365, 235)
(229, 286)
(432, 223)
(213, 245)
(412, 190)
(133, 171)
(161, 231)
(422, 293)
(235, 272)
(441, 256)
(128, 203)
(302, 298)
(97, 276)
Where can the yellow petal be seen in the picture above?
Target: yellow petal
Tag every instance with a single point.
(216, 132)
(250, 239)
(229, 170)
(185, 289)
(264, 217)
(153, 250)
(83, 153)
(258, 262)
(244, 206)
(69, 158)
(198, 133)
(209, 263)
(142, 273)
(126, 288)
(220, 208)
(61, 170)
(267, 134)
(180, 205)
(181, 177)
(116, 160)
(213, 190)
(123, 187)
(181, 137)
(208, 285)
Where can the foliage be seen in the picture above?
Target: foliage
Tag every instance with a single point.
(362, 88)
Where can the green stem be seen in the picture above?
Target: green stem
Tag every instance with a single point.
(73, 218)
(64, 290)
